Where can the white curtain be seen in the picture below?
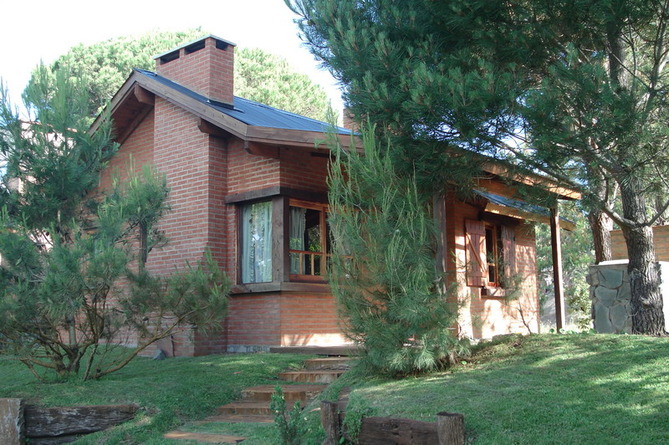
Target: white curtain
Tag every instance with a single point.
(257, 242)
(298, 222)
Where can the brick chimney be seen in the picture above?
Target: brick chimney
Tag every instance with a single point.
(205, 66)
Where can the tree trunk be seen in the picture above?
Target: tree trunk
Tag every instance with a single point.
(646, 302)
(660, 198)
(601, 223)
(601, 226)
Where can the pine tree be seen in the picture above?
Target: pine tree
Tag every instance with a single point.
(66, 248)
(259, 76)
(391, 297)
(573, 89)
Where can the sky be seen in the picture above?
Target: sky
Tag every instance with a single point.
(42, 30)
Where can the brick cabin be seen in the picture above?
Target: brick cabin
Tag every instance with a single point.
(248, 182)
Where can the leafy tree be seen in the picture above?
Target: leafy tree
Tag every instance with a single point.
(384, 276)
(72, 285)
(573, 89)
(268, 79)
(104, 66)
(259, 76)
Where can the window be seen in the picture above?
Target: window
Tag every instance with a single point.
(491, 253)
(256, 242)
(309, 240)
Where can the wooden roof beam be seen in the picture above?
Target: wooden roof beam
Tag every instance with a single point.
(143, 96)
(270, 151)
(211, 129)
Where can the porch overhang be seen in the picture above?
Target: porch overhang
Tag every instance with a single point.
(514, 208)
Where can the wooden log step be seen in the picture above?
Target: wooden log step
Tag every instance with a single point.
(203, 437)
(315, 376)
(238, 418)
(291, 393)
(328, 363)
(245, 407)
(339, 350)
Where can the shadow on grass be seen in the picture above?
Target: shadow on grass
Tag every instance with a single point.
(547, 389)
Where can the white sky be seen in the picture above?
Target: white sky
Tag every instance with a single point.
(44, 29)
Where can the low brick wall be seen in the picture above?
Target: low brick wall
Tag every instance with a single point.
(610, 295)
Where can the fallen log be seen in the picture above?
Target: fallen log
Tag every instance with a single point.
(43, 422)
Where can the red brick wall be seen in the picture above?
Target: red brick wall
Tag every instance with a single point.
(282, 319)
(301, 170)
(138, 148)
(194, 172)
(247, 172)
(254, 320)
(309, 319)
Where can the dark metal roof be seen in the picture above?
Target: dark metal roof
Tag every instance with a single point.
(514, 203)
(250, 112)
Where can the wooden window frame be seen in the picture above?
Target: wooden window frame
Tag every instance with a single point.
(323, 235)
(281, 276)
(494, 254)
(240, 240)
(490, 249)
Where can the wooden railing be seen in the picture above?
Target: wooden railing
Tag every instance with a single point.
(309, 263)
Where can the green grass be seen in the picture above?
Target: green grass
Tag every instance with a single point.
(542, 389)
(170, 392)
(567, 389)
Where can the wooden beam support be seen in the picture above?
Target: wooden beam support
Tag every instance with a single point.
(269, 151)
(129, 128)
(441, 254)
(519, 214)
(280, 237)
(212, 130)
(331, 422)
(143, 96)
(557, 268)
(451, 428)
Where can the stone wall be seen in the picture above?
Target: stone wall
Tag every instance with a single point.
(610, 294)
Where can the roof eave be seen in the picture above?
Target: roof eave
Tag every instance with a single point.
(534, 180)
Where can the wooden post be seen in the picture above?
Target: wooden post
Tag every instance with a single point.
(330, 422)
(557, 268)
(441, 255)
(451, 428)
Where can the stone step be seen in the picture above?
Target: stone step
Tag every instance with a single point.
(245, 407)
(203, 437)
(314, 376)
(331, 363)
(291, 393)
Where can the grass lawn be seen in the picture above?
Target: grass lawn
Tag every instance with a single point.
(541, 389)
(169, 392)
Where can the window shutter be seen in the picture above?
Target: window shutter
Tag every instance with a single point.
(477, 270)
(509, 251)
